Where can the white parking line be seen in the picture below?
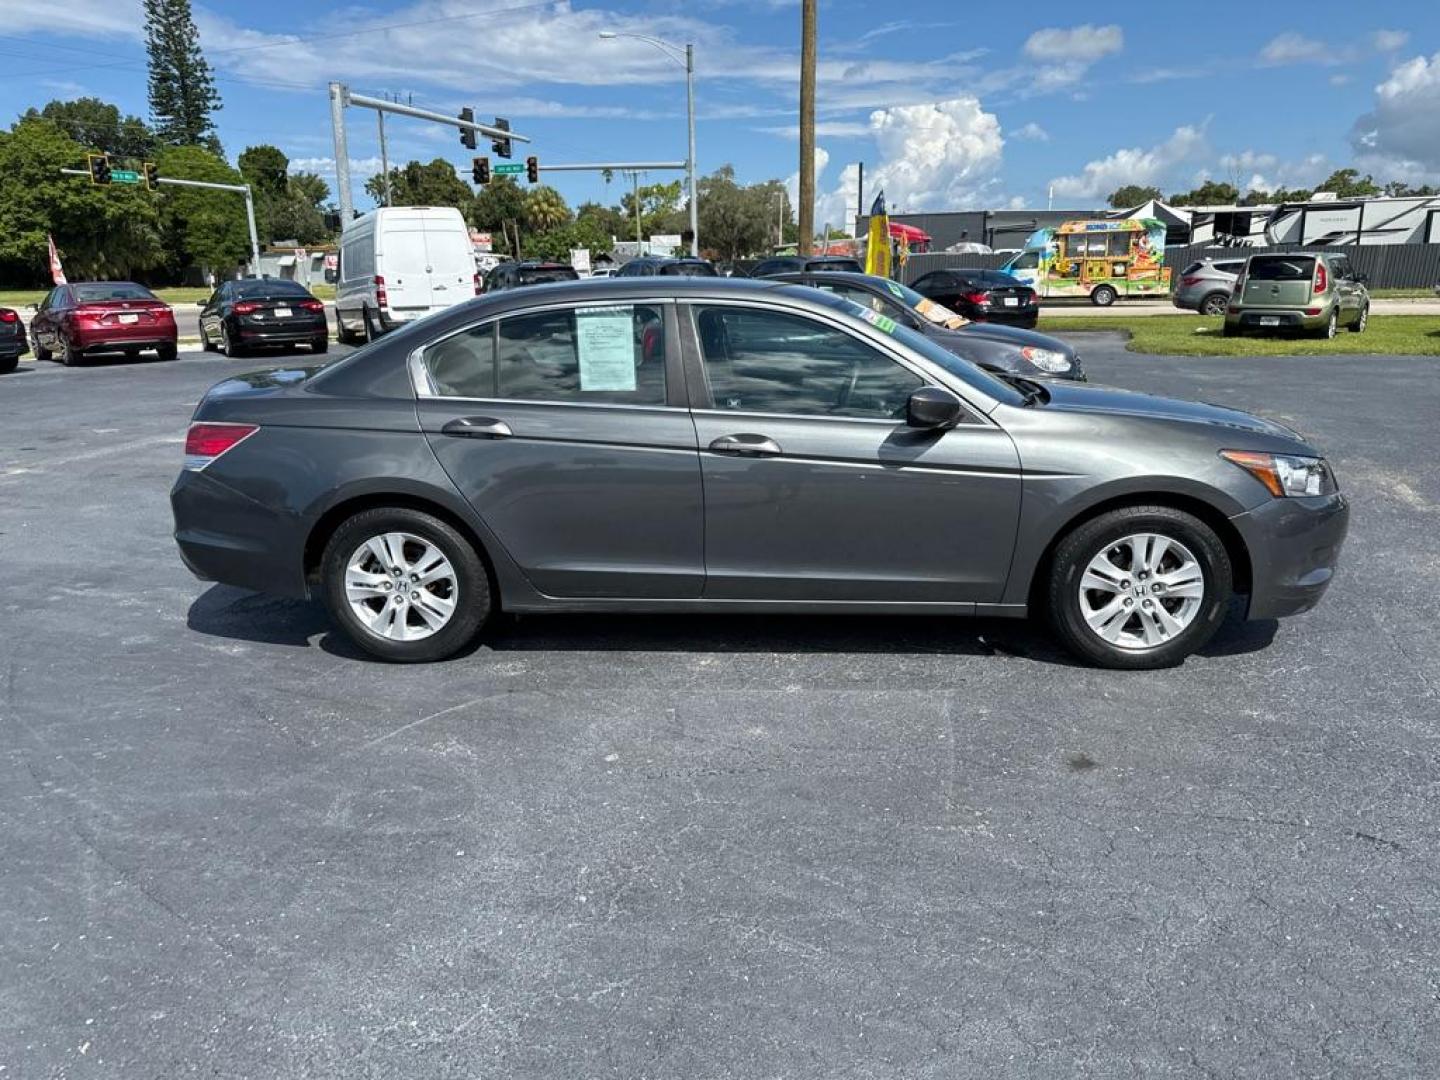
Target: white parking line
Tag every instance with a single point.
(41, 464)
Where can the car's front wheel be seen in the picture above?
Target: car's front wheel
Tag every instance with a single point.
(1139, 587)
(405, 585)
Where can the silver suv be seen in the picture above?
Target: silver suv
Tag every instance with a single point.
(1205, 286)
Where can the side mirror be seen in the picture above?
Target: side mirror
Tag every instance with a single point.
(933, 407)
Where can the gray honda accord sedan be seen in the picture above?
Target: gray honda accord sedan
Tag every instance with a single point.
(713, 444)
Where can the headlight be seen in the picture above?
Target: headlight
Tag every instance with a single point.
(1046, 359)
(1286, 474)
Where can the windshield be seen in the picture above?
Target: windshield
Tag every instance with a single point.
(270, 287)
(962, 369)
(110, 290)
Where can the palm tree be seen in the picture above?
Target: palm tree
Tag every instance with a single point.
(545, 209)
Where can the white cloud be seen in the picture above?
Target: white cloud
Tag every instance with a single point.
(1339, 79)
(1135, 165)
(361, 169)
(1077, 44)
(1390, 40)
(1031, 132)
(1252, 170)
(87, 18)
(833, 129)
(1401, 135)
(1293, 48)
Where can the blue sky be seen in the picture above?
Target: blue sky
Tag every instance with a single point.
(947, 112)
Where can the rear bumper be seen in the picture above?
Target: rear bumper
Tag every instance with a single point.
(1294, 546)
(226, 537)
(123, 337)
(298, 330)
(1287, 319)
(16, 347)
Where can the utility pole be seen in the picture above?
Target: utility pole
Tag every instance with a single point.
(807, 127)
(339, 98)
(690, 162)
(859, 199)
(384, 159)
(635, 176)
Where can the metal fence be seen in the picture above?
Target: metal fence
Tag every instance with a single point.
(1389, 266)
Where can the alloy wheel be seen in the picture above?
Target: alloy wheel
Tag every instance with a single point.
(401, 586)
(1142, 591)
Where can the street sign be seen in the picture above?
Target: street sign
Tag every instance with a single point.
(509, 169)
(124, 176)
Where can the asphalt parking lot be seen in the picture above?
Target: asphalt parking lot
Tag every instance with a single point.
(723, 847)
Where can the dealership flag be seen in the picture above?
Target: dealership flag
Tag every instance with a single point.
(877, 243)
(57, 272)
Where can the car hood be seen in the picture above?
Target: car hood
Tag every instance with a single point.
(1109, 401)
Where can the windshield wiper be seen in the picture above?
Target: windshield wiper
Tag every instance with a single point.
(1033, 391)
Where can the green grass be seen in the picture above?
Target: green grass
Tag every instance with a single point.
(185, 294)
(1191, 335)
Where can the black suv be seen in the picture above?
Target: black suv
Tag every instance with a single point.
(803, 264)
(513, 275)
(653, 265)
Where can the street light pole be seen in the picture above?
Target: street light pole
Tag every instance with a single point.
(672, 52)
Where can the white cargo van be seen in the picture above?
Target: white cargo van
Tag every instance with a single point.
(401, 263)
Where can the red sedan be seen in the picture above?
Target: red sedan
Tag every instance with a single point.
(76, 320)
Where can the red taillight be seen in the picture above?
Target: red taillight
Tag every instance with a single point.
(978, 297)
(478, 287)
(1190, 281)
(206, 442)
(312, 305)
(1321, 280)
(1313, 310)
(89, 313)
(380, 296)
(245, 307)
(6, 315)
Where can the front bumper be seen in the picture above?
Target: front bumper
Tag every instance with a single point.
(1294, 545)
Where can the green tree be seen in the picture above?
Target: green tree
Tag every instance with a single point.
(1349, 184)
(310, 187)
(266, 169)
(98, 125)
(659, 204)
(499, 207)
(435, 184)
(557, 243)
(183, 97)
(1210, 193)
(1130, 196)
(545, 208)
(608, 220)
(104, 232)
(201, 228)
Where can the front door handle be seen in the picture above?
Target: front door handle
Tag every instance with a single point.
(477, 427)
(746, 444)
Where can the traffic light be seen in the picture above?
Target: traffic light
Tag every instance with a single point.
(480, 170)
(532, 169)
(99, 168)
(467, 135)
(151, 172)
(501, 147)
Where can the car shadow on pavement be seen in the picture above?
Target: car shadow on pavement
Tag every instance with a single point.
(237, 614)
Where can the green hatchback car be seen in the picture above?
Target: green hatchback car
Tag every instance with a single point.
(1298, 292)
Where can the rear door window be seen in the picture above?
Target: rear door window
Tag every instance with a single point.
(1282, 267)
(612, 354)
(1227, 267)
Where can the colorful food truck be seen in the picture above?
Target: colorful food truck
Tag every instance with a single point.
(1103, 260)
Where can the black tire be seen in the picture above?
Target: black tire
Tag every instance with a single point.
(373, 331)
(227, 346)
(43, 354)
(1332, 325)
(1229, 331)
(167, 352)
(206, 345)
(343, 336)
(319, 345)
(8, 364)
(69, 355)
(1103, 296)
(473, 606)
(1090, 539)
(1361, 321)
(1215, 304)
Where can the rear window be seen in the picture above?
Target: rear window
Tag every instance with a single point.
(110, 290)
(1229, 267)
(1191, 268)
(1002, 280)
(849, 266)
(689, 269)
(540, 275)
(1281, 268)
(270, 287)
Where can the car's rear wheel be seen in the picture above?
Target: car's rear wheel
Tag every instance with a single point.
(1103, 296)
(405, 585)
(1332, 324)
(70, 356)
(1361, 321)
(8, 364)
(1139, 587)
(167, 352)
(1215, 304)
(320, 345)
(228, 345)
(206, 345)
(372, 327)
(43, 354)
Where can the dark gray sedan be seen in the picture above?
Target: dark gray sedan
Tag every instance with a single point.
(696, 445)
(991, 345)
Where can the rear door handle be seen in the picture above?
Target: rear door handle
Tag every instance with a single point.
(746, 444)
(477, 427)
